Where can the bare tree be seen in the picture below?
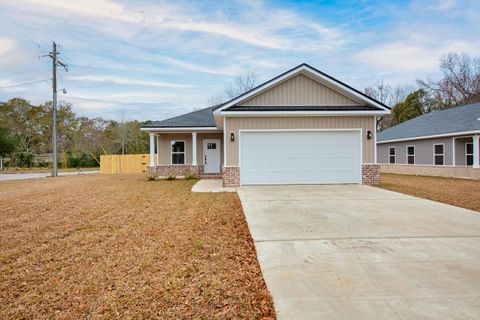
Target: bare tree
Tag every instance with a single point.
(123, 134)
(460, 83)
(380, 91)
(399, 93)
(242, 83)
(389, 96)
(216, 99)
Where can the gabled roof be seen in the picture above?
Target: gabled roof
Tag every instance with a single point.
(199, 118)
(455, 120)
(204, 118)
(297, 70)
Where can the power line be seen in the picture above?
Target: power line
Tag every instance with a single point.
(24, 84)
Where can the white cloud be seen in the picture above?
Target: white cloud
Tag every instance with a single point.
(141, 95)
(229, 71)
(407, 56)
(275, 29)
(129, 81)
(94, 8)
(6, 45)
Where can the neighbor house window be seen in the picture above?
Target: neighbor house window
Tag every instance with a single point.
(178, 152)
(469, 154)
(410, 154)
(439, 154)
(391, 155)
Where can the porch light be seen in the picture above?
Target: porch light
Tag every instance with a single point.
(369, 134)
(232, 136)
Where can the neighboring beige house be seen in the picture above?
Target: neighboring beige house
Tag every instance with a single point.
(301, 127)
(444, 142)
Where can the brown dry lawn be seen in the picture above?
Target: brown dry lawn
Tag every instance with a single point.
(120, 247)
(458, 192)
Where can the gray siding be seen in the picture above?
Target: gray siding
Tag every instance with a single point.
(423, 151)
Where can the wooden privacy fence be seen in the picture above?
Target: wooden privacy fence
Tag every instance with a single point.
(124, 163)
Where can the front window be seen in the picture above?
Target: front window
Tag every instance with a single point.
(178, 152)
(439, 154)
(469, 154)
(411, 155)
(391, 155)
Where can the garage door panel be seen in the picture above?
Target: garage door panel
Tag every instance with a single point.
(297, 157)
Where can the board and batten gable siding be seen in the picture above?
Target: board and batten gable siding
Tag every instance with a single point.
(300, 90)
(236, 124)
(165, 146)
(423, 151)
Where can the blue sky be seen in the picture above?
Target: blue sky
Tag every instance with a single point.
(155, 59)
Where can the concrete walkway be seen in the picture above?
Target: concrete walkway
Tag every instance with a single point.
(211, 185)
(358, 252)
(36, 175)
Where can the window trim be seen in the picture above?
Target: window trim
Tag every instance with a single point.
(412, 155)
(468, 154)
(184, 153)
(438, 154)
(394, 155)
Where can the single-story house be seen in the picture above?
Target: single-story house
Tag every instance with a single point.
(301, 127)
(440, 138)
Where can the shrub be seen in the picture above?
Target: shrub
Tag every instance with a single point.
(80, 160)
(152, 177)
(24, 159)
(190, 174)
(170, 176)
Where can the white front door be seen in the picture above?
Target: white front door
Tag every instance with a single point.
(211, 155)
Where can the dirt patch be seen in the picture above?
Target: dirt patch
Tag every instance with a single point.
(458, 192)
(118, 246)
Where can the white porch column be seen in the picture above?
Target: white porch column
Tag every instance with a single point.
(152, 149)
(158, 149)
(194, 148)
(476, 155)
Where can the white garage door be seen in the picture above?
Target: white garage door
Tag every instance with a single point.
(300, 157)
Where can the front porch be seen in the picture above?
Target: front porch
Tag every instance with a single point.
(179, 153)
(466, 151)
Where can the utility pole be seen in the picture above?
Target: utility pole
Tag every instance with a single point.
(55, 62)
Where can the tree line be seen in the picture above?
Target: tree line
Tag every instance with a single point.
(459, 84)
(26, 135)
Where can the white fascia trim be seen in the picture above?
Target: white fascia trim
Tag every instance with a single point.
(431, 136)
(301, 113)
(295, 71)
(188, 129)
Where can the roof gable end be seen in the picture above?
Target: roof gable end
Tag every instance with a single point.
(300, 90)
(337, 89)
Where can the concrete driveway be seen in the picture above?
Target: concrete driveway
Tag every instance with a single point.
(358, 252)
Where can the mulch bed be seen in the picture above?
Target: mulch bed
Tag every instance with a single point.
(120, 247)
(458, 192)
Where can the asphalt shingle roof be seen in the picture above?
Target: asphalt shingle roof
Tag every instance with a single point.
(198, 118)
(458, 119)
